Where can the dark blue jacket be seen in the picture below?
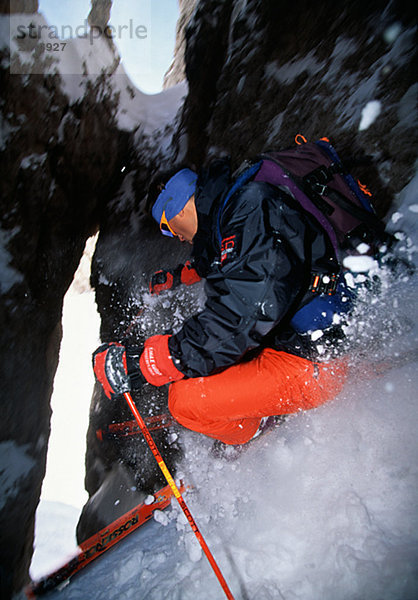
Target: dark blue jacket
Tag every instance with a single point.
(257, 272)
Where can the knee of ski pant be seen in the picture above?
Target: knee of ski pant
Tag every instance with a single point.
(181, 402)
(190, 402)
(274, 383)
(300, 384)
(201, 401)
(331, 378)
(325, 383)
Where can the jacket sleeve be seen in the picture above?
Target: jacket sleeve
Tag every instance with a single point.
(258, 275)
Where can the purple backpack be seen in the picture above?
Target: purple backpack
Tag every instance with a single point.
(313, 174)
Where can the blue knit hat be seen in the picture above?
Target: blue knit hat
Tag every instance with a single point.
(176, 193)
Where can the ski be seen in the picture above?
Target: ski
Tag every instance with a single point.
(101, 541)
(131, 428)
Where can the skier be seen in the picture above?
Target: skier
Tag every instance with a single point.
(245, 356)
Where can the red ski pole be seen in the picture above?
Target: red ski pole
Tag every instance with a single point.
(177, 493)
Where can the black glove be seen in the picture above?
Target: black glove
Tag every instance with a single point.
(117, 369)
(167, 280)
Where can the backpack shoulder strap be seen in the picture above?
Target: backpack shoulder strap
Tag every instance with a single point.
(241, 180)
(367, 217)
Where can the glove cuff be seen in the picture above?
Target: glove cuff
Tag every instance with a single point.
(156, 363)
(132, 363)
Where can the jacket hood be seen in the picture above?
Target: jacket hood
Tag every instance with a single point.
(212, 183)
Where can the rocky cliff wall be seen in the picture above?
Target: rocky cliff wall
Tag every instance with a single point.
(68, 130)
(54, 175)
(177, 70)
(261, 72)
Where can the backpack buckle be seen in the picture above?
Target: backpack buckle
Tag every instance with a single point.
(319, 175)
(319, 188)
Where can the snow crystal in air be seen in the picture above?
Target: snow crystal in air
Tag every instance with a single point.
(369, 114)
(315, 335)
(391, 33)
(349, 279)
(359, 264)
(396, 217)
(363, 248)
(161, 517)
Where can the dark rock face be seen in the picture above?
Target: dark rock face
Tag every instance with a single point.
(100, 13)
(276, 69)
(19, 6)
(259, 72)
(120, 275)
(58, 164)
(176, 72)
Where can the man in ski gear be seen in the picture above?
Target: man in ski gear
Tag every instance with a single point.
(247, 354)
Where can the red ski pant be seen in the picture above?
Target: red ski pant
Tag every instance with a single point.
(228, 406)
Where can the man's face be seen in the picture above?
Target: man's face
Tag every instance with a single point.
(185, 223)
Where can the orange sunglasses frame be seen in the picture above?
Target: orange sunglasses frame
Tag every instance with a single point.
(165, 222)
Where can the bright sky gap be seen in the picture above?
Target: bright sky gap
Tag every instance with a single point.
(145, 57)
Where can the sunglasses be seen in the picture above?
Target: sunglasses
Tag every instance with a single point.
(165, 227)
